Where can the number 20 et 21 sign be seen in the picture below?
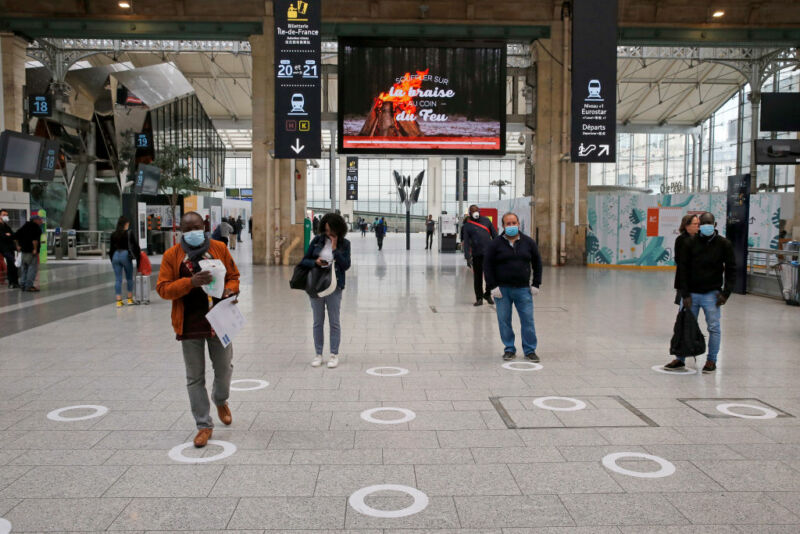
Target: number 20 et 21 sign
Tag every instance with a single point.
(298, 73)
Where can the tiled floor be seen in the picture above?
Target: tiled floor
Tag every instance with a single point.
(302, 447)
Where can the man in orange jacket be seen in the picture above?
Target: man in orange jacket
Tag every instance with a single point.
(180, 280)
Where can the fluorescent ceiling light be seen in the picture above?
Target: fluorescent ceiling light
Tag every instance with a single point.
(124, 4)
(718, 14)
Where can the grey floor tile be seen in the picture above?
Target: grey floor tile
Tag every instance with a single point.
(427, 456)
(439, 514)
(732, 509)
(565, 477)
(295, 421)
(593, 453)
(622, 510)
(61, 515)
(266, 481)
(788, 499)
(345, 457)
(140, 439)
(687, 529)
(64, 482)
(58, 439)
(295, 513)
(138, 420)
(511, 511)
(751, 475)
(63, 457)
(478, 438)
(687, 478)
(515, 455)
(10, 473)
(451, 420)
(644, 436)
(562, 436)
(166, 481)
(562, 530)
(492, 479)
(399, 439)
(723, 435)
(694, 452)
(335, 480)
(787, 452)
(175, 514)
(286, 439)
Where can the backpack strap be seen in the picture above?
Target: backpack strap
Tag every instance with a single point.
(482, 226)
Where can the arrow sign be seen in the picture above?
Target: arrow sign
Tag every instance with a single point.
(603, 150)
(297, 146)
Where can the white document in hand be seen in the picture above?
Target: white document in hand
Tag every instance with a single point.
(226, 320)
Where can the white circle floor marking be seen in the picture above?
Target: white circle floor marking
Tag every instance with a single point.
(408, 415)
(260, 384)
(542, 402)
(5, 526)
(610, 462)
(766, 413)
(685, 371)
(400, 371)
(55, 415)
(357, 501)
(529, 366)
(176, 453)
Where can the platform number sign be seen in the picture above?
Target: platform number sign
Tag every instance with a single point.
(40, 106)
(49, 161)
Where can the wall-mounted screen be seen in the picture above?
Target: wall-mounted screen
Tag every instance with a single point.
(20, 155)
(422, 97)
(147, 179)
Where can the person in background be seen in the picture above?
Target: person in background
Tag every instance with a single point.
(706, 276)
(380, 232)
(239, 227)
(207, 224)
(328, 247)
(478, 233)
(315, 225)
(124, 249)
(7, 249)
(225, 230)
(232, 238)
(508, 262)
(27, 239)
(250, 227)
(690, 224)
(430, 227)
(180, 280)
(464, 244)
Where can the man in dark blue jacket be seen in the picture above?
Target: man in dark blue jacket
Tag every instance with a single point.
(507, 265)
(478, 233)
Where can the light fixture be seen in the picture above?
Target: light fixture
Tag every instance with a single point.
(124, 4)
(718, 14)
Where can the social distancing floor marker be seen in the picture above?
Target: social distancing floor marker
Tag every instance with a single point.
(408, 415)
(99, 411)
(5, 526)
(682, 371)
(259, 384)
(527, 366)
(766, 413)
(176, 453)
(400, 371)
(356, 501)
(610, 462)
(544, 403)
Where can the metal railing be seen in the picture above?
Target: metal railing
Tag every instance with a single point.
(89, 242)
(770, 272)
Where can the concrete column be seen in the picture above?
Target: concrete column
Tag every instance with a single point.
(263, 58)
(346, 207)
(434, 179)
(12, 70)
(795, 228)
(91, 183)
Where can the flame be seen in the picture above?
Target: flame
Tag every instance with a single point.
(405, 102)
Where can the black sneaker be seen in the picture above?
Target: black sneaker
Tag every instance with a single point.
(508, 356)
(709, 367)
(488, 297)
(478, 302)
(532, 357)
(675, 365)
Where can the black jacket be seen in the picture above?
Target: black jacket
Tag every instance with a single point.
(6, 239)
(478, 238)
(27, 234)
(127, 242)
(703, 263)
(680, 243)
(511, 267)
(341, 257)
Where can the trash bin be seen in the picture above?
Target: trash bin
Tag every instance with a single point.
(789, 275)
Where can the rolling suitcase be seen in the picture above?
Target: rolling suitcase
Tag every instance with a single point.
(141, 294)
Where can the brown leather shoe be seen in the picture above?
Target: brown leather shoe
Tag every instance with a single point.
(202, 437)
(224, 413)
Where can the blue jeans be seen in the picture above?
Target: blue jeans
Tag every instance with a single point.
(712, 312)
(121, 261)
(522, 299)
(30, 265)
(334, 303)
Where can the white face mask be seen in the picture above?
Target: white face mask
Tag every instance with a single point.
(5, 218)
(476, 215)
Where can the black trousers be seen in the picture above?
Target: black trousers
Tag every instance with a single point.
(477, 271)
(429, 240)
(380, 242)
(11, 268)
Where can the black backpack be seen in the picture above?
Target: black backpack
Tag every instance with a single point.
(687, 339)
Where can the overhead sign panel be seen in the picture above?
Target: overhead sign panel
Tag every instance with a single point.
(594, 75)
(352, 178)
(298, 71)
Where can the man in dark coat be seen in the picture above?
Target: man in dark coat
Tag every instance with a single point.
(478, 233)
(7, 248)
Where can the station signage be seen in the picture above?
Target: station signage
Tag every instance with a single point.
(40, 106)
(737, 225)
(298, 71)
(352, 178)
(594, 79)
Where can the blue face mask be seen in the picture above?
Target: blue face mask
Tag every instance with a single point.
(707, 229)
(511, 231)
(195, 238)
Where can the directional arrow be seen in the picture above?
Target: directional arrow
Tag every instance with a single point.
(604, 149)
(297, 146)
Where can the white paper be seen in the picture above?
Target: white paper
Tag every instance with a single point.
(217, 269)
(226, 320)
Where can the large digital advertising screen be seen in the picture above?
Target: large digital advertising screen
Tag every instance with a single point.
(421, 97)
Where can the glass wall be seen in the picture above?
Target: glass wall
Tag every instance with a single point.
(487, 180)
(318, 185)
(667, 163)
(377, 192)
(238, 172)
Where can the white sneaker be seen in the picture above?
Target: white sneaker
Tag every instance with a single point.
(333, 362)
(317, 361)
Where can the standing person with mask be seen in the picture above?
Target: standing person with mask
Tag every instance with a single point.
(124, 249)
(380, 232)
(7, 249)
(478, 233)
(430, 227)
(707, 273)
(28, 238)
(180, 280)
(328, 247)
(690, 225)
(508, 264)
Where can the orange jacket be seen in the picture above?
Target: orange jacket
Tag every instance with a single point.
(171, 286)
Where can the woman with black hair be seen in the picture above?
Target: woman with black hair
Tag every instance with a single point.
(690, 224)
(329, 247)
(124, 249)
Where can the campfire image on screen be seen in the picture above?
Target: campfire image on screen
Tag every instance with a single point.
(382, 120)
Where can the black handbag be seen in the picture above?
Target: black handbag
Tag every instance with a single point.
(299, 277)
(687, 339)
(319, 281)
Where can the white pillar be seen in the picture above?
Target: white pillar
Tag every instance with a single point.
(345, 206)
(434, 179)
